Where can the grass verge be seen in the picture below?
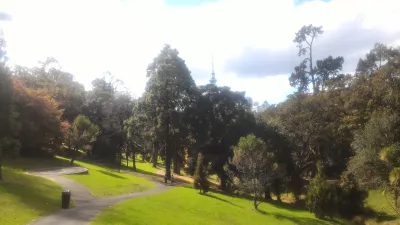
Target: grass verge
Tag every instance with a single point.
(183, 205)
(24, 198)
(102, 181)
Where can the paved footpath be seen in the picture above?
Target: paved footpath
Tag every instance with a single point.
(86, 206)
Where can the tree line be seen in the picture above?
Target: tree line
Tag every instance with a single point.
(335, 136)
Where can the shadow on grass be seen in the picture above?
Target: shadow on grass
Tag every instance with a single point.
(31, 191)
(379, 216)
(221, 199)
(35, 163)
(297, 220)
(111, 174)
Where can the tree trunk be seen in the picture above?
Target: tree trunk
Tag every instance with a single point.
(120, 160)
(255, 203)
(222, 182)
(154, 157)
(311, 71)
(177, 168)
(73, 156)
(134, 160)
(168, 152)
(267, 194)
(168, 166)
(127, 159)
(1, 164)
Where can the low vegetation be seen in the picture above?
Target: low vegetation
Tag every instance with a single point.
(185, 206)
(102, 181)
(23, 197)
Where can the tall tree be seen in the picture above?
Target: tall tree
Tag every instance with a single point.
(42, 129)
(305, 73)
(6, 93)
(60, 84)
(81, 134)
(169, 91)
(220, 117)
(252, 161)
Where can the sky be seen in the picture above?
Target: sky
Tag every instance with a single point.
(251, 40)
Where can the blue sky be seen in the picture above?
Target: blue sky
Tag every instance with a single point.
(188, 2)
(251, 40)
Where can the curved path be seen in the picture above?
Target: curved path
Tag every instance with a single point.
(86, 206)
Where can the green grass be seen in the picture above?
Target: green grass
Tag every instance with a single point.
(384, 213)
(142, 166)
(102, 181)
(183, 205)
(35, 163)
(24, 198)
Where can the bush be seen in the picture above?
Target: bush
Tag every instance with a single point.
(328, 199)
(321, 198)
(200, 176)
(352, 199)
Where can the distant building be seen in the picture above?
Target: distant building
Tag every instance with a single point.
(212, 80)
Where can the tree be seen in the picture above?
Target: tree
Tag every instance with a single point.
(42, 130)
(251, 159)
(200, 175)
(305, 39)
(321, 196)
(6, 93)
(168, 93)
(60, 84)
(312, 129)
(306, 73)
(217, 121)
(82, 133)
(381, 131)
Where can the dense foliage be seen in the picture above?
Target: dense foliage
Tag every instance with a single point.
(346, 123)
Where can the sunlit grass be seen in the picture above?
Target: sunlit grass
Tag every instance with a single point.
(102, 181)
(183, 205)
(23, 197)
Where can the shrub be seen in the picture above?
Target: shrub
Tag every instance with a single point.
(200, 175)
(328, 199)
(321, 198)
(351, 198)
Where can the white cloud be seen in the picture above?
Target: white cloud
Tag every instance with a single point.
(91, 36)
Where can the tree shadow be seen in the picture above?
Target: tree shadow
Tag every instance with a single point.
(298, 220)
(379, 216)
(31, 191)
(111, 174)
(221, 199)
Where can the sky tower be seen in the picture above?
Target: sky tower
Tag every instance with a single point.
(212, 80)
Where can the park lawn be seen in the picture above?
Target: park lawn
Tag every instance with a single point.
(103, 181)
(24, 198)
(384, 213)
(182, 205)
(143, 166)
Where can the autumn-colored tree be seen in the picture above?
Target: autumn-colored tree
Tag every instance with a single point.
(41, 126)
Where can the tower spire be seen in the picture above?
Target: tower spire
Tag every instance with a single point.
(212, 80)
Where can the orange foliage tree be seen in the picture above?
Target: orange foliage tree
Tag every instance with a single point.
(42, 130)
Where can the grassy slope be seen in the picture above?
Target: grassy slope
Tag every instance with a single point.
(23, 197)
(385, 214)
(106, 182)
(185, 206)
(143, 167)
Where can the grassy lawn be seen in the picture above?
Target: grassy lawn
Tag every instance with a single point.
(183, 205)
(143, 166)
(23, 197)
(385, 214)
(102, 181)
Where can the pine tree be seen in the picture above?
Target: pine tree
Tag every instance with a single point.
(200, 175)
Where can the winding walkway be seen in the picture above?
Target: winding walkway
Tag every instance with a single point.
(86, 205)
